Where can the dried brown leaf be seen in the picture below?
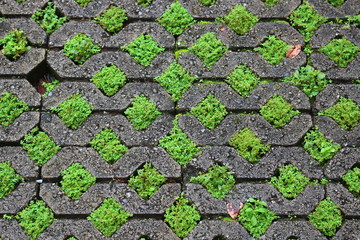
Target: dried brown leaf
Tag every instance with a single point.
(293, 51)
(234, 211)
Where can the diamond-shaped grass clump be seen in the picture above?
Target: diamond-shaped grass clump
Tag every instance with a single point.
(352, 180)
(319, 147)
(147, 181)
(109, 80)
(243, 80)
(176, 19)
(14, 44)
(290, 182)
(142, 113)
(39, 146)
(35, 218)
(336, 3)
(255, 217)
(180, 147)
(309, 80)
(270, 3)
(76, 180)
(8, 179)
(210, 111)
(109, 217)
(278, 111)
(108, 145)
(273, 49)
(208, 48)
(112, 19)
(144, 3)
(341, 51)
(11, 107)
(143, 49)
(326, 217)
(48, 19)
(73, 111)
(307, 20)
(240, 20)
(182, 217)
(176, 80)
(80, 48)
(218, 181)
(83, 3)
(345, 112)
(248, 145)
(207, 2)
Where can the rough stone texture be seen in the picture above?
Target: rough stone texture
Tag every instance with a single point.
(325, 9)
(123, 168)
(303, 204)
(16, 130)
(322, 62)
(283, 230)
(11, 7)
(349, 230)
(73, 10)
(124, 195)
(16, 200)
(22, 89)
(342, 162)
(209, 229)
(10, 229)
(348, 203)
(134, 10)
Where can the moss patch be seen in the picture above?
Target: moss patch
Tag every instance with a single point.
(255, 217)
(218, 181)
(108, 145)
(176, 19)
(273, 49)
(307, 20)
(83, 3)
(207, 2)
(208, 48)
(73, 111)
(11, 107)
(319, 147)
(248, 145)
(345, 112)
(39, 146)
(49, 86)
(243, 80)
(309, 80)
(35, 218)
(112, 19)
(14, 44)
(326, 217)
(278, 111)
(341, 51)
(80, 48)
(48, 19)
(180, 147)
(142, 113)
(109, 217)
(109, 80)
(336, 3)
(147, 181)
(270, 3)
(143, 49)
(144, 3)
(290, 182)
(240, 20)
(352, 180)
(182, 217)
(8, 179)
(176, 80)
(76, 180)
(210, 112)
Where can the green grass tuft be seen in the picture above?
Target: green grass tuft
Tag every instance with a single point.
(147, 181)
(270, 3)
(14, 44)
(319, 147)
(182, 217)
(83, 3)
(248, 145)
(109, 217)
(336, 3)
(352, 180)
(218, 181)
(144, 3)
(243, 80)
(112, 19)
(76, 180)
(341, 51)
(48, 19)
(273, 49)
(39, 146)
(109, 80)
(207, 2)
(49, 86)
(142, 113)
(11, 107)
(326, 217)
(240, 20)
(255, 217)
(8, 179)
